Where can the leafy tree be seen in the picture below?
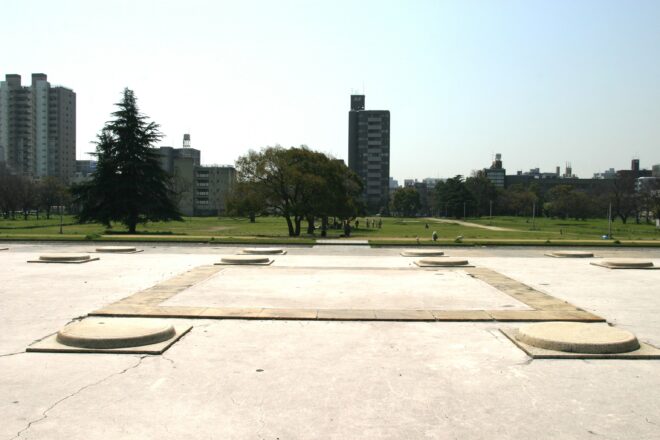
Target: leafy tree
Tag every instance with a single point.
(298, 183)
(624, 196)
(453, 195)
(9, 192)
(518, 200)
(564, 201)
(27, 195)
(50, 192)
(128, 186)
(483, 192)
(406, 201)
(246, 199)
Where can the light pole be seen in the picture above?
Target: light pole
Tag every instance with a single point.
(533, 215)
(491, 212)
(609, 222)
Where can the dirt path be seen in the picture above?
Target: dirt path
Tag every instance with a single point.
(472, 225)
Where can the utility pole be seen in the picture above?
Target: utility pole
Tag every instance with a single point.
(533, 215)
(609, 222)
(491, 212)
(463, 210)
(61, 214)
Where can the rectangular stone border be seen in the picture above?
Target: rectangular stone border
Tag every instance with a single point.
(64, 262)
(127, 310)
(4, 249)
(50, 345)
(146, 303)
(606, 266)
(263, 255)
(646, 351)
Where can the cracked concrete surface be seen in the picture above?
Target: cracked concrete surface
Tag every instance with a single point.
(44, 415)
(320, 379)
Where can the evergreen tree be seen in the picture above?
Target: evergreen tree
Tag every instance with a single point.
(128, 186)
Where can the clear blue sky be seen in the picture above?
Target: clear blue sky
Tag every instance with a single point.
(542, 82)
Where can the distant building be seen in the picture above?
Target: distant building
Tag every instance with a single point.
(649, 183)
(607, 174)
(432, 182)
(655, 170)
(201, 190)
(496, 172)
(369, 152)
(394, 184)
(84, 170)
(409, 183)
(37, 128)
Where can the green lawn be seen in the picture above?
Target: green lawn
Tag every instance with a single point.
(393, 231)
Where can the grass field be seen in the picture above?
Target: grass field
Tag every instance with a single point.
(507, 230)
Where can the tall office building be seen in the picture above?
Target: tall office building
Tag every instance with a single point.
(37, 128)
(369, 152)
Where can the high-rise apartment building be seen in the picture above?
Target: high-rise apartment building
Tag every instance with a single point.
(37, 128)
(369, 152)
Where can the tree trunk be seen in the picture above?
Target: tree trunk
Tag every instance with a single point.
(289, 225)
(131, 226)
(324, 226)
(297, 219)
(310, 225)
(253, 217)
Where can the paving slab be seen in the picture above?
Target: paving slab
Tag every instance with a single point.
(346, 315)
(339, 288)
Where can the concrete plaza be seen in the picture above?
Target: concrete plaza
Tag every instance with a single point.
(326, 342)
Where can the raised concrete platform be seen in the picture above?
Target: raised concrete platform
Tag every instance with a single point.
(422, 253)
(554, 340)
(112, 335)
(3, 249)
(443, 262)
(578, 337)
(245, 260)
(570, 254)
(118, 249)
(64, 258)
(263, 251)
(627, 263)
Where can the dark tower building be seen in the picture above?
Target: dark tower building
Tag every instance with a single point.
(369, 152)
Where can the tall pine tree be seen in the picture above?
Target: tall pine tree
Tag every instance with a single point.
(128, 186)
